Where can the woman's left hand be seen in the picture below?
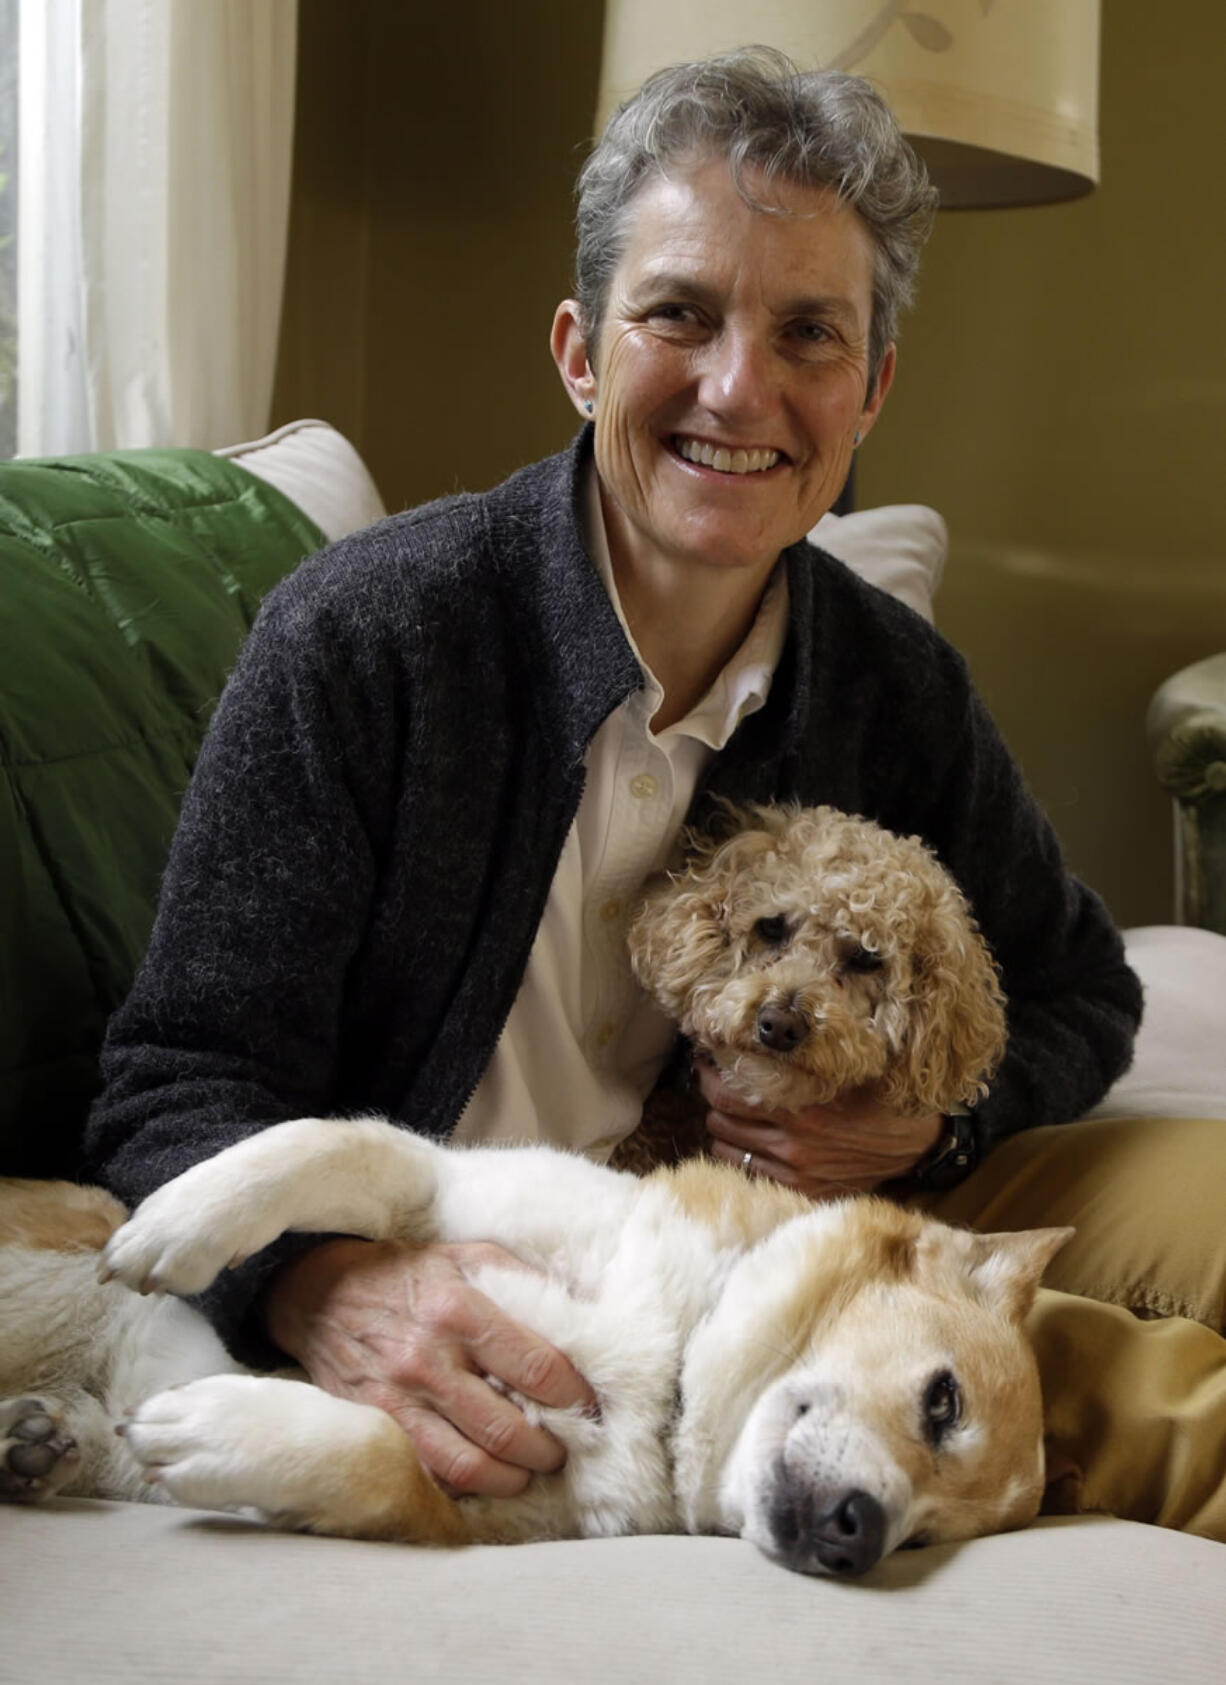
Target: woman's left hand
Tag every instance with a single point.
(850, 1146)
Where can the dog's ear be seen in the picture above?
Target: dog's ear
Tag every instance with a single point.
(1004, 1270)
(676, 937)
(953, 1035)
(681, 931)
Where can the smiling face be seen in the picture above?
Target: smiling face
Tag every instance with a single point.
(729, 377)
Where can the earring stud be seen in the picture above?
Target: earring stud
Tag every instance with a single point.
(588, 406)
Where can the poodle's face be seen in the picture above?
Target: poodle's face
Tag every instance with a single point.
(814, 953)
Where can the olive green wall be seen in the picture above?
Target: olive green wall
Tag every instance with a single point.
(430, 230)
(1062, 389)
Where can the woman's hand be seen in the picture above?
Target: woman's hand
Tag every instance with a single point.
(850, 1146)
(400, 1327)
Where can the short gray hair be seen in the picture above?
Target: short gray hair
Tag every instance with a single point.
(818, 128)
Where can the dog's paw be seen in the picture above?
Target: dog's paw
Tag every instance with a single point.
(202, 1442)
(244, 1441)
(37, 1453)
(185, 1234)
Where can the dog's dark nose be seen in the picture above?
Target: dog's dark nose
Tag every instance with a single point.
(850, 1536)
(781, 1028)
(847, 1537)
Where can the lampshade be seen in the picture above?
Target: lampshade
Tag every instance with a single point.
(1000, 97)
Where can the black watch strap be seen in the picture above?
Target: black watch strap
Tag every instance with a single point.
(952, 1159)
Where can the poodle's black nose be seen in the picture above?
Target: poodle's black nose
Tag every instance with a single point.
(850, 1536)
(781, 1028)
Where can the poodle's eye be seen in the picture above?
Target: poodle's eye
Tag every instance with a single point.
(862, 960)
(773, 931)
(942, 1407)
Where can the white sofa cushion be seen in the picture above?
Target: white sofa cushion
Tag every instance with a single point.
(1179, 1067)
(900, 548)
(319, 470)
(121, 1592)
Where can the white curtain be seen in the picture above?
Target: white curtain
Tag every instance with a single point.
(154, 177)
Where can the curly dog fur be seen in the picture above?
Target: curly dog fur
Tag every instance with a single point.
(813, 952)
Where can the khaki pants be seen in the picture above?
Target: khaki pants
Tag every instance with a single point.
(1129, 1326)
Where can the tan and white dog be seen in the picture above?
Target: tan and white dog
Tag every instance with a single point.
(830, 1382)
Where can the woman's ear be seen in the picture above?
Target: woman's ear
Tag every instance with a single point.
(876, 398)
(569, 347)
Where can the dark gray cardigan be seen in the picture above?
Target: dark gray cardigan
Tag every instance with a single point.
(372, 829)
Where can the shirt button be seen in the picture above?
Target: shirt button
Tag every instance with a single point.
(643, 786)
(609, 911)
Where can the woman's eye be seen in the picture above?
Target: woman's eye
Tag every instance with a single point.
(809, 337)
(773, 931)
(942, 1408)
(680, 313)
(862, 960)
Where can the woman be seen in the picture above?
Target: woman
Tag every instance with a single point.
(456, 744)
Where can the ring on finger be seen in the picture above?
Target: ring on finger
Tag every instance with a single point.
(746, 1161)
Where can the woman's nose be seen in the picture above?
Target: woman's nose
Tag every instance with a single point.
(738, 376)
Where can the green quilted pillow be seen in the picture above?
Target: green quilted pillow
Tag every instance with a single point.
(127, 584)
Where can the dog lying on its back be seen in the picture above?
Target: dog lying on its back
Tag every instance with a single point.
(830, 1382)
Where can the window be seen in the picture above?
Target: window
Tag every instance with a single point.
(8, 226)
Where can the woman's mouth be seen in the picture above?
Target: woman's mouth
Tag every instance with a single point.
(723, 458)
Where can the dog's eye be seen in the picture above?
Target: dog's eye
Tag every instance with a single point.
(773, 931)
(942, 1406)
(862, 960)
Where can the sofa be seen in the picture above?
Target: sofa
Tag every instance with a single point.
(128, 582)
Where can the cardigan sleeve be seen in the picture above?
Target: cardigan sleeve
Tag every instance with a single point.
(233, 1021)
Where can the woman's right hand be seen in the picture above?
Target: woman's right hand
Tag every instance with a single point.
(401, 1327)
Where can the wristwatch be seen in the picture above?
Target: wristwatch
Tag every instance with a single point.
(953, 1157)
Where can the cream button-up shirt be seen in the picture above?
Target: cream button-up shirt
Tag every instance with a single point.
(583, 1045)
